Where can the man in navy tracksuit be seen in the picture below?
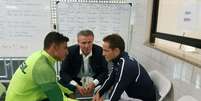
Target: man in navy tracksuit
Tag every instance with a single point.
(127, 74)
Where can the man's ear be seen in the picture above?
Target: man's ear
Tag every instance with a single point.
(54, 46)
(116, 51)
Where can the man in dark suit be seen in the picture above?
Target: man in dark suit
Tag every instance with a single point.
(84, 67)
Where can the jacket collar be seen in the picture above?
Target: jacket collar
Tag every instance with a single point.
(50, 58)
(89, 55)
(123, 54)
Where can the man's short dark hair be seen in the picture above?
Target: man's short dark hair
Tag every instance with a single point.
(54, 37)
(115, 41)
(85, 33)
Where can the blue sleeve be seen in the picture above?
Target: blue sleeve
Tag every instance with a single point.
(107, 84)
(124, 78)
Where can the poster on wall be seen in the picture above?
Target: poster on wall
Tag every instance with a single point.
(23, 26)
(190, 16)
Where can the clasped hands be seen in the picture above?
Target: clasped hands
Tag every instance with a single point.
(86, 91)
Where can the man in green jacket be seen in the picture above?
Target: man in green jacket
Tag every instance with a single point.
(35, 79)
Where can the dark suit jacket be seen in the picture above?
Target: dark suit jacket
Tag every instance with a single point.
(70, 67)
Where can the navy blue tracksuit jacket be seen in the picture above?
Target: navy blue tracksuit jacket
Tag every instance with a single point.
(129, 76)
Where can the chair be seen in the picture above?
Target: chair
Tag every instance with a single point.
(187, 98)
(2, 89)
(162, 84)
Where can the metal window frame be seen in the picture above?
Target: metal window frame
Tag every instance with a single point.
(5, 69)
(168, 36)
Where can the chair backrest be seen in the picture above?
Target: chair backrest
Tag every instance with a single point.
(2, 89)
(162, 84)
(187, 98)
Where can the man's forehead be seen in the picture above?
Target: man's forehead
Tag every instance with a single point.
(85, 36)
(106, 45)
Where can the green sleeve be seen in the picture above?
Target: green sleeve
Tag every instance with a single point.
(52, 91)
(45, 78)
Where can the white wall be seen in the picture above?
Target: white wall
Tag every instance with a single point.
(186, 78)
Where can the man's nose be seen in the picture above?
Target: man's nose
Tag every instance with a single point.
(87, 45)
(103, 53)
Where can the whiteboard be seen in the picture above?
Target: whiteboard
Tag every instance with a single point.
(23, 26)
(101, 18)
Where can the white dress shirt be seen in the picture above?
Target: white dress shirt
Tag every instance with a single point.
(85, 71)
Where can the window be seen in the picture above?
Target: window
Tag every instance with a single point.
(176, 28)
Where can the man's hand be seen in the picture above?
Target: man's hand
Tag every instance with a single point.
(97, 97)
(81, 90)
(72, 96)
(90, 88)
